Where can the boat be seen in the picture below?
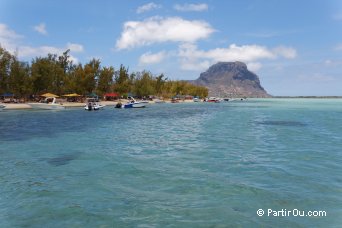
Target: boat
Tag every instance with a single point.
(92, 104)
(213, 99)
(196, 99)
(134, 104)
(158, 101)
(2, 107)
(48, 103)
(174, 100)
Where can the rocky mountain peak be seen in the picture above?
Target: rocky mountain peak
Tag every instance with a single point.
(231, 79)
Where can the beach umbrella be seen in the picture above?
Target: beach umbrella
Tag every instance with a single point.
(72, 95)
(49, 95)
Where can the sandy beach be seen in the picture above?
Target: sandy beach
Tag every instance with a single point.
(19, 106)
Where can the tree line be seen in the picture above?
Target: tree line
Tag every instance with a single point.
(59, 75)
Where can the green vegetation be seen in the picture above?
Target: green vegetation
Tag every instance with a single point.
(59, 75)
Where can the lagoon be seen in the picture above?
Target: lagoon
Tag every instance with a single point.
(173, 165)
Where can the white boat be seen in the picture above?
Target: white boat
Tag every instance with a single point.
(134, 104)
(2, 107)
(48, 103)
(213, 99)
(93, 106)
(158, 101)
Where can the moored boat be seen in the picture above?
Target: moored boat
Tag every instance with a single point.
(134, 104)
(92, 104)
(213, 99)
(48, 103)
(2, 107)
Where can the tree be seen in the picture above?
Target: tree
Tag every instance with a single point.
(105, 80)
(122, 81)
(19, 79)
(5, 66)
(144, 85)
(159, 85)
(91, 76)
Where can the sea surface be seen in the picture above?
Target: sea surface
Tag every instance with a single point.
(174, 165)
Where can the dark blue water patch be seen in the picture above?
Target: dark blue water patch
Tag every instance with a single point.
(286, 123)
(24, 125)
(248, 106)
(62, 160)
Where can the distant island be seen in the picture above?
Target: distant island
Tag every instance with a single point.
(231, 79)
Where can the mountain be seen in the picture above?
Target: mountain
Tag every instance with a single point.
(231, 79)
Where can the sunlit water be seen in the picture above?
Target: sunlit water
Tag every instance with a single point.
(173, 165)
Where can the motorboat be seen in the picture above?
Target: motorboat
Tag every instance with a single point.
(93, 106)
(158, 101)
(2, 107)
(196, 99)
(48, 103)
(213, 99)
(134, 104)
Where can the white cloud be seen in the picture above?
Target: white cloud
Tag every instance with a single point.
(8, 37)
(254, 66)
(7, 33)
(338, 47)
(337, 16)
(332, 63)
(150, 58)
(250, 54)
(75, 47)
(316, 78)
(286, 52)
(29, 51)
(40, 28)
(191, 7)
(13, 42)
(158, 29)
(148, 7)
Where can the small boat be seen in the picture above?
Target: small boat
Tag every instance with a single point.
(213, 99)
(2, 107)
(134, 104)
(92, 104)
(158, 101)
(196, 99)
(48, 103)
(174, 100)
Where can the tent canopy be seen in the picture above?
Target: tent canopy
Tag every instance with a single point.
(7, 95)
(111, 95)
(72, 95)
(92, 95)
(49, 95)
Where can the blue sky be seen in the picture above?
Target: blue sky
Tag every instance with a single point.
(295, 47)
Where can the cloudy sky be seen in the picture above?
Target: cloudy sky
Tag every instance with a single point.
(295, 47)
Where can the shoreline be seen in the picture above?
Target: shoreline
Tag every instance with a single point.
(21, 106)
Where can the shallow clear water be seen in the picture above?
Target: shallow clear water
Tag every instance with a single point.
(173, 165)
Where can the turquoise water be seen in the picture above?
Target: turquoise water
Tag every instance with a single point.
(173, 165)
